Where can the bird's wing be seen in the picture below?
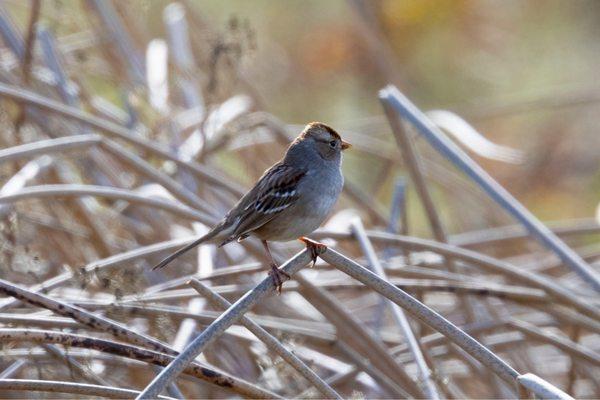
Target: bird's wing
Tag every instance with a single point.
(275, 191)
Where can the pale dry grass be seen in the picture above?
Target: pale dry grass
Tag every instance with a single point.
(94, 194)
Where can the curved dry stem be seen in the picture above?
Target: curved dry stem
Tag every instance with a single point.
(208, 174)
(179, 191)
(42, 147)
(79, 142)
(541, 388)
(104, 324)
(423, 313)
(566, 345)
(74, 190)
(84, 389)
(523, 295)
(228, 318)
(481, 260)
(401, 105)
(494, 236)
(269, 340)
(133, 352)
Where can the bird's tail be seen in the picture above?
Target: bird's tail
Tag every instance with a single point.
(184, 249)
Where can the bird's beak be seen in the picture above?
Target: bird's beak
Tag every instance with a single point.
(345, 145)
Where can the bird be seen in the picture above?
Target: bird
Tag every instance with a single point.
(289, 201)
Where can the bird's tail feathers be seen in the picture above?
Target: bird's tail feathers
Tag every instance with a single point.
(166, 261)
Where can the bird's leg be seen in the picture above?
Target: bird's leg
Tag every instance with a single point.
(276, 274)
(314, 248)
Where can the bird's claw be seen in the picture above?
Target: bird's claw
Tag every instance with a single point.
(314, 248)
(278, 276)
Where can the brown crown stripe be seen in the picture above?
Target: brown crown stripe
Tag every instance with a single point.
(320, 125)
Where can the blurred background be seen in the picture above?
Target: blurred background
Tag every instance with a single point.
(524, 73)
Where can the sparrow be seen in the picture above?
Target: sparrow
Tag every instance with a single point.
(289, 201)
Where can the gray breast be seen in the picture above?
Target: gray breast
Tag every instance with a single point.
(318, 191)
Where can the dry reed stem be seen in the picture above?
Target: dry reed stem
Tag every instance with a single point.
(269, 340)
(357, 336)
(118, 330)
(68, 190)
(423, 313)
(228, 318)
(83, 389)
(201, 171)
(424, 369)
(118, 155)
(124, 350)
(402, 105)
(481, 260)
(541, 388)
(574, 349)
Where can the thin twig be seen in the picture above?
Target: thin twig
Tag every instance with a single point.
(82, 389)
(28, 56)
(30, 40)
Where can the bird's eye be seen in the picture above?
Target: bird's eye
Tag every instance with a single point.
(332, 143)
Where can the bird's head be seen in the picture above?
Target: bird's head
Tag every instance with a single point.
(322, 139)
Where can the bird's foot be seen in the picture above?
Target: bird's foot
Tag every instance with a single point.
(278, 276)
(314, 248)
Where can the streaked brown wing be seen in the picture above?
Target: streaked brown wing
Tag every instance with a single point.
(275, 191)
